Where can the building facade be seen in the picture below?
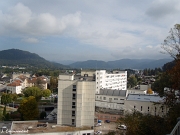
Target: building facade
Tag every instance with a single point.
(111, 99)
(117, 80)
(76, 101)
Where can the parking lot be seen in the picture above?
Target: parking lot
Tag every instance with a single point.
(106, 127)
(3, 130)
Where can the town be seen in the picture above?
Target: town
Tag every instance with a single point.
(83, 102)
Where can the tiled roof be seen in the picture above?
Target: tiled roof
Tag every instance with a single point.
(34, 80)
(15, 83)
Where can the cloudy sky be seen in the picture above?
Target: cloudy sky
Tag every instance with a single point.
(81, 30)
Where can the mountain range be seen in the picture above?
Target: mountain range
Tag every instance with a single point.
(121, 64)
(14, 57)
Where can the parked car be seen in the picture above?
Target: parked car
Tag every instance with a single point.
(98, 124)
(98, 132)
(107, 121)
(122, 127)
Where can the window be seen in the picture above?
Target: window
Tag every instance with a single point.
(110, 99)
(73, 113)
(134, 107)
(141, 108)
(73, 96)
(115, 98)
(104, 98)
(73, 104)
(121, 99)
(73, 121)
(148, 108)
(88, 133)
(74, 87)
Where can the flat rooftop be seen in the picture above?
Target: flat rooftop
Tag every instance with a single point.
(30, 127)
(144, 97)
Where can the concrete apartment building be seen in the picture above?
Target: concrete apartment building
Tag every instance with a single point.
(76, 100)
(117, 80)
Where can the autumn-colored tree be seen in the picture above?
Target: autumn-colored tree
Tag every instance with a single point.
(39, 83)
(46, 93)
(174, 74)
(33, 91)
(29, 108)
(149, 91)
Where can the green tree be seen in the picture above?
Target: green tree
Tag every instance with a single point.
(53, 83)
(139, 124)
(46, 93)
(6, 98)
(43, 115)
(132, 81)
(33, 91)
(29, 108)
(161, 82)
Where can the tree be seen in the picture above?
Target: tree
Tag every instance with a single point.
(161, 82)
(43, 115)
(53, 83)
(139, 124)
(132, 81)
(171, 44)
(33, 91)
(6, 98)
(46, 93)
(149, 91)
(39, 83)
(29, 108)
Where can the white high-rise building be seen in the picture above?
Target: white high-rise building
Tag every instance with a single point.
(117, 80)
(76, 100)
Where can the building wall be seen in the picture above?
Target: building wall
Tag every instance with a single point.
(105, 116)
(136, 91)
(145, 107)
(110, 102)
(14, 89)
(86, 72)
(76, 102)
(116, 81)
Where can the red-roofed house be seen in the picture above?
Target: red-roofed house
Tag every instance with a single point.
(15, 87)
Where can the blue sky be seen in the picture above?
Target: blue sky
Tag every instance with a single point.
(80, 30)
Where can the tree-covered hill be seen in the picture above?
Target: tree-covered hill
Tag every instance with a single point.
(14, 57)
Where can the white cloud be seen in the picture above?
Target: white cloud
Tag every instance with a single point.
(128, 29)
(30, 40)
(21, 20)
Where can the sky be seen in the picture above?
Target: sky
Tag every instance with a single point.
(80, 30)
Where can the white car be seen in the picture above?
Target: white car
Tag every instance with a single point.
(122, 127)
(98, 132)
(98, 124)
